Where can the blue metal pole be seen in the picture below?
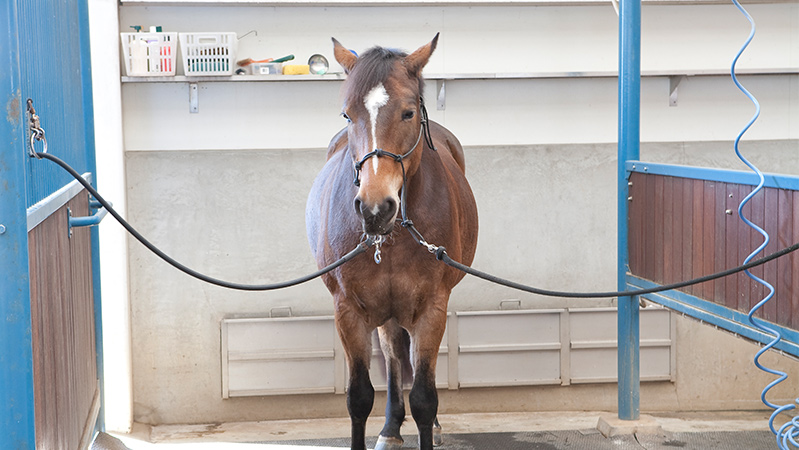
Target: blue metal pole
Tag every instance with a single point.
(17, 417)
(629, 149)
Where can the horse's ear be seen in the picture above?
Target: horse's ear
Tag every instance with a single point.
(416, 61)
(344, 57)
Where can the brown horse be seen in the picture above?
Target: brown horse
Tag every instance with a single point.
(399, 175)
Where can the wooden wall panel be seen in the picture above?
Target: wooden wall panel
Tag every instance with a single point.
(683, 228)
(793, 268)
(784, 238)
(687, 235)
(667, 242)
(62, 309)
(708, 237)
(756, 212)
(637, 226)
(649, 237)
(769, 271)
(734, 249)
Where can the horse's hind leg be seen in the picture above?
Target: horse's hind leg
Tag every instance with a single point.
(425, 341)
(394, 345)
(357, 343)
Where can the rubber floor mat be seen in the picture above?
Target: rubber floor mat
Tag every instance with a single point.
(579, 440)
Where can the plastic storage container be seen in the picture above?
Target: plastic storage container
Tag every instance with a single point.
(149, 54)
(266, 68)
(208, 53)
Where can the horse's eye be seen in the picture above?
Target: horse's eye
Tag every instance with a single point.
(346, 117)
(408, 115)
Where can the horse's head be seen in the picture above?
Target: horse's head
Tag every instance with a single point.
(382, 105)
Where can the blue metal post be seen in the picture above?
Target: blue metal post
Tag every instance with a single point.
(17, 418)
(629, 143)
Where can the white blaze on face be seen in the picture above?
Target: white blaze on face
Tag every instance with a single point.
(376, 98)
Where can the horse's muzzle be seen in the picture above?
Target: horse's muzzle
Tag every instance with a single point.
(377, 219)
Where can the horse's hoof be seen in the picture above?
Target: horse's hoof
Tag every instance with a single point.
(388, 443)
(438, 438)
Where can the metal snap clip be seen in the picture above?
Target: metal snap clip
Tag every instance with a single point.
(37, 132)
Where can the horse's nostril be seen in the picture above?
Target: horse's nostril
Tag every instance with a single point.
(377, 218)
(357, 204)
(390, 205)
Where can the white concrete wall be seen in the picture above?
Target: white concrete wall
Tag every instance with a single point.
(479, 40)
(117, 380)
(224, 190)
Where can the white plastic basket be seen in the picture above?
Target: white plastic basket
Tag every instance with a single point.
(149, 54)
(208, 53)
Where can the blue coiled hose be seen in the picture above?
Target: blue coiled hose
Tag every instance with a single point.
(788, 432)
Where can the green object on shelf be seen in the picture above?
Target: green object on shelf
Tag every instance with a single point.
(283, 59)
(202, 65)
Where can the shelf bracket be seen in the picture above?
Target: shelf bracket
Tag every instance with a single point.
(194, 98)
(441, 95)
(674, 84)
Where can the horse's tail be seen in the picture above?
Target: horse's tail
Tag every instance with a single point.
(407, 365)
(404, 352)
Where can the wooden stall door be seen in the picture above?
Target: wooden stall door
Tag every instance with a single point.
(66, 386)
(682, 228)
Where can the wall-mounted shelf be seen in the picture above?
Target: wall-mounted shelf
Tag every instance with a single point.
(334, 76)
(675, 78)
(321, 3)
(361, 2)
(234, 78)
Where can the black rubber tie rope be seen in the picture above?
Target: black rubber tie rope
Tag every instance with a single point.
(362, 247)
(440, 254)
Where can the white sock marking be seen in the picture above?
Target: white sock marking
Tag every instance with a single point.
(376, 98)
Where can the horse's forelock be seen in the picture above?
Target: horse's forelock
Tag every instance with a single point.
(372, 68)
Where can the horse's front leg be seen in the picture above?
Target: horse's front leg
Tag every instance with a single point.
(425, 340)
(357, 342)
(394, 345)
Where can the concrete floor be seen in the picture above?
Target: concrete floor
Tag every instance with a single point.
(575, 430)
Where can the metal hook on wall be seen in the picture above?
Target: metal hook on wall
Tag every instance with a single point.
(37, 132)
(248, 33)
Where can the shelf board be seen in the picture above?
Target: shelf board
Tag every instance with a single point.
(462, 76)
(234, 78)
(329, 3)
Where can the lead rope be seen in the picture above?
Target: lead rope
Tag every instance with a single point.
(360, 248)
(439, 251)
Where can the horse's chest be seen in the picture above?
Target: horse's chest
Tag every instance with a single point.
(397, 292)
